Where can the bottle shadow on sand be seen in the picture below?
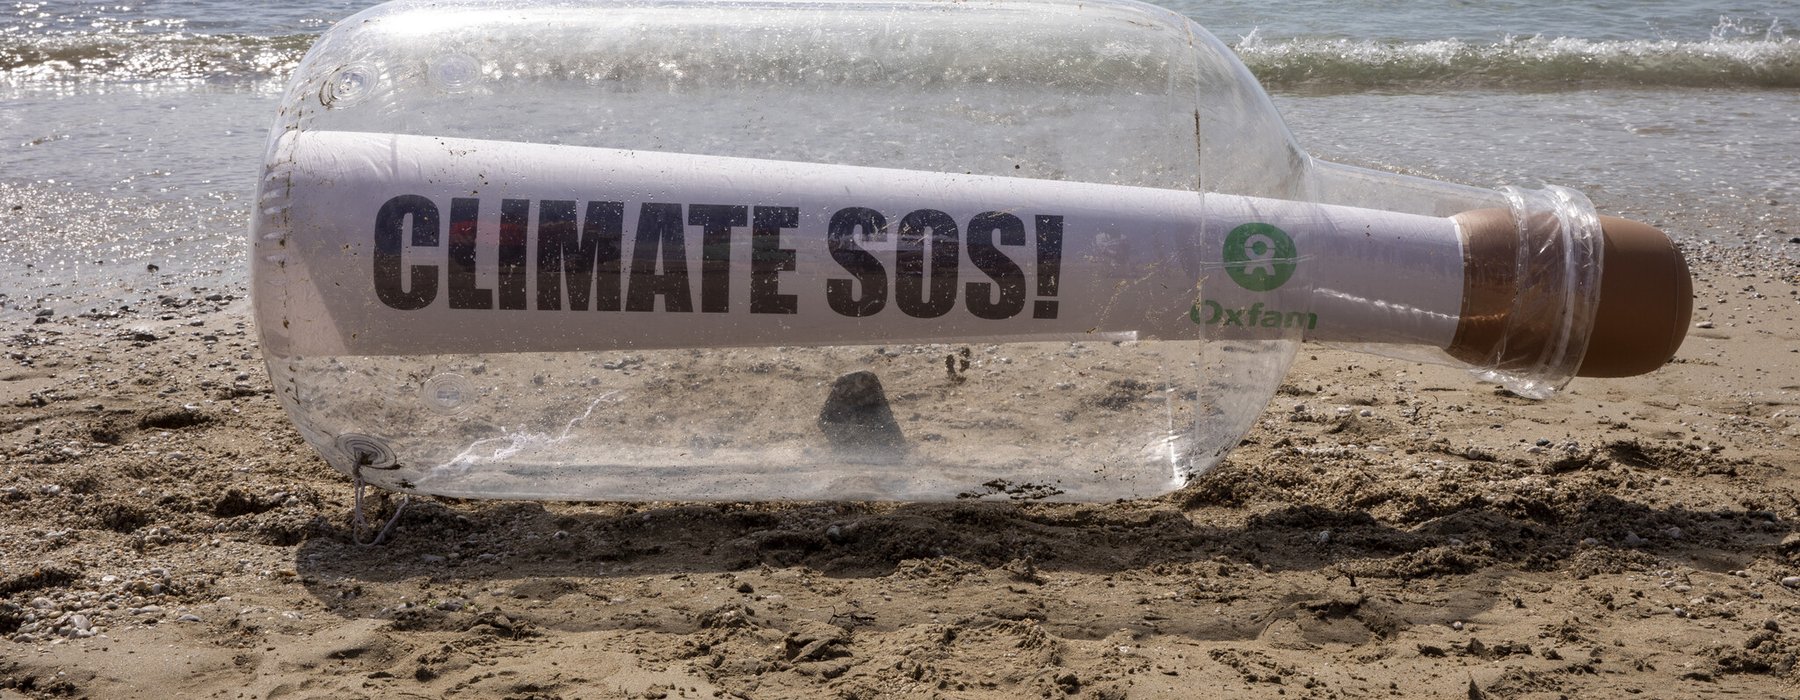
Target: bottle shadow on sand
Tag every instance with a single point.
(1250, 550)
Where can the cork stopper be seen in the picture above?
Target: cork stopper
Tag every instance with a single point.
(1646, 301)
(1645, 306)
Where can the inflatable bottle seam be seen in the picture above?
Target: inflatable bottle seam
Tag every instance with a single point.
(902, 250)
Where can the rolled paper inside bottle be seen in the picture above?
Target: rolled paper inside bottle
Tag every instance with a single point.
(400, 245)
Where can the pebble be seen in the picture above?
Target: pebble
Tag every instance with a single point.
(1681, 612)
(190, 617)
(80, 622)
(1791, 581)
(1673, 533)
(1704, 324)
(1457, 625)
(1632, 540)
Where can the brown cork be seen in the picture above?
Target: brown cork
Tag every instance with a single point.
(1646, 302)
(1646, 298)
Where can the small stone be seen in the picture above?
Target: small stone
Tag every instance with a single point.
(1632, 540)
(1681, 612)
(856, 416)
(1457, 625)
(1704, 324)
(190, 617)
(1791, 581)
(1771, 625)
(80, 622)
(431, 558)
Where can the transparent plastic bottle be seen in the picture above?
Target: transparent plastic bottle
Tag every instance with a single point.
(420, 141)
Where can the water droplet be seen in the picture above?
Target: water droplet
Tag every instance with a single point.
(454, 72)
(350, 85)
(445, 393)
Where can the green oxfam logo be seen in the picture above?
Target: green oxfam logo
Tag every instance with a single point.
(1260, 257)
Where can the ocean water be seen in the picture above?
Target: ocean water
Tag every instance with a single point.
(131, 131)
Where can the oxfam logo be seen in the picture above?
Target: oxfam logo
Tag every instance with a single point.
(1259, 257)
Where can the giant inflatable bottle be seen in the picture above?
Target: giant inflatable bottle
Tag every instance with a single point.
(863, 250)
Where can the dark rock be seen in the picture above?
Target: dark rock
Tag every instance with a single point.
(856, 415)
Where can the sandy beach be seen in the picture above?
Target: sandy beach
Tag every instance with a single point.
(1387, 530)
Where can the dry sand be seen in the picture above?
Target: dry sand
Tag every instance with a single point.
(1388, 530)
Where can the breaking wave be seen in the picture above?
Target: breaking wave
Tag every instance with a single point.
(144, 57)
(1534, 63)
